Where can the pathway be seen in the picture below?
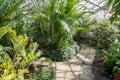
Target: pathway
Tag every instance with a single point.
(78, 68)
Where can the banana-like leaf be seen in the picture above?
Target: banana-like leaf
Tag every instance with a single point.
(8, 76)
(3, 31)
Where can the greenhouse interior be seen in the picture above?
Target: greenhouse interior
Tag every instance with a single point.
(59, 39)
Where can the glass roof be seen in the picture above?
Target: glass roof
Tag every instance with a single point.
(94, 5)
(97, 6)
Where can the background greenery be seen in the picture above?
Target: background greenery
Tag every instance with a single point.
(58, 26)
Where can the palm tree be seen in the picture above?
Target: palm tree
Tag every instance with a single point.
(10, 11)
(56, 21)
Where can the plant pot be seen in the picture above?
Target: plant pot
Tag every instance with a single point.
(116, 76)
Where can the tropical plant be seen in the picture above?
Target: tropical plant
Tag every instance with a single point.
(7, 67)
(55, 22)
(10, 11)
(114, 48)
(86, 25)
(114, 8)
(109, 61)
(14, 60)
(105, 35)
(45, 73)
(62, 54)
(116, 68)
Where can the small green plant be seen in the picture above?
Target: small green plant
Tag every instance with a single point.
(109, 61)
(116, 68)
(114, 48)
(62, 54)
(45, 73)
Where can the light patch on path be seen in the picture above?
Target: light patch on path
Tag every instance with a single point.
(78, 68)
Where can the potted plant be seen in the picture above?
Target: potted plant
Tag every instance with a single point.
(116, 71)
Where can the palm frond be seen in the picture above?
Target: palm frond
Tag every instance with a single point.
(9, 10)
(3, 31)
(65, 26)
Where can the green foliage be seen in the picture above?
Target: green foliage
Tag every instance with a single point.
(42, 74)
(23, 27)
(55, 22)
(14, 13)
(79, 30)
(115, 10)
(105, 35)
(62, 54)
(116, 68)
(86, 24)
(9, 11)
(109, 61)
(21, 54)
(112, 58)
(115, 48)
(7, 68)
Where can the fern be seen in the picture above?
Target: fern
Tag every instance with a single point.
(10, 10)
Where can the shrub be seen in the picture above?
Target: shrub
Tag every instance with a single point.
(112, 56)
(43, 73)
(14, 59)
(62, 54)
(114, 48)
(105, 35)
(110, 60)
(84, 30)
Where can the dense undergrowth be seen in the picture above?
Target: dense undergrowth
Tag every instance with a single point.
(52, 30)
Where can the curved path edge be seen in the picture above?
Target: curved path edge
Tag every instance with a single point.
(78, 68)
